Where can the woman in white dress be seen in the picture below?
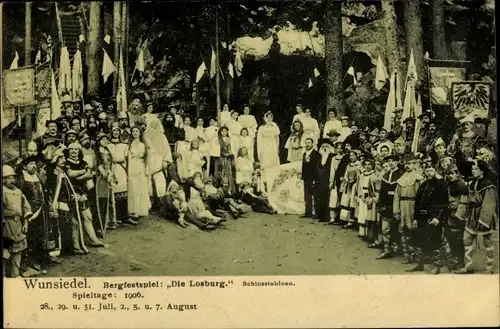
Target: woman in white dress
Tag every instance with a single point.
(268, 142)
(332, 123)
(247, 142)
(294, 142)
(234, 130)
(311, 128)
(138, 201)
(225, 115)
(190, 135)
(157, 151)
(244, 168)
(200, 132)
(212, 140)
(194, 159)
(119, 155)
(248, 121)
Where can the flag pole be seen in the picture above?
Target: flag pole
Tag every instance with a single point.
(217, 73)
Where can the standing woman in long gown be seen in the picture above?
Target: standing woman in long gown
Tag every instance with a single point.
(347, 201)
(268, 142)
(234, 131)
(294, 143)
(225, 170)
(138, 201)
(157, 151)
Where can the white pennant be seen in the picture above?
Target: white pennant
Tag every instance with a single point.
(201, 71)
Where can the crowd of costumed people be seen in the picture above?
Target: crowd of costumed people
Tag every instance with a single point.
(94, 170)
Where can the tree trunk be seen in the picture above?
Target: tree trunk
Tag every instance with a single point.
(438, 31)
(27, 61)
(414, 35)
(333, 56)
(392, 46)
(117, 29)
(93, 63)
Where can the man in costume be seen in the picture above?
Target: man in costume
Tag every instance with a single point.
(390, 224)
(463, 146)
(404, 204)
(481, 216)
(43, 232)
(458, 192)
(79, 175)
(48, 142)
(16, 212)
(431, 202)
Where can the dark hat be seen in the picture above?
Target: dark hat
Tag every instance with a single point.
(49, 122)
(409, 119)
(324, 141)
(71, 131)
(333, 132)
(149, 103)
(299, 105)
(29, 159)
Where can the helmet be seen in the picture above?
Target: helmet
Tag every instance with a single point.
(8, 171)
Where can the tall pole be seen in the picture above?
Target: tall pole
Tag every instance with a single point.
(117, 29)
(124, 44)
(228, 80)
(217, 73)
(27, 61)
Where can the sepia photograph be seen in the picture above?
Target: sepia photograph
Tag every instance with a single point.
(249, 138)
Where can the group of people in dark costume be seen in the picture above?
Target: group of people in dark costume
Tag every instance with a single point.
(426, 199)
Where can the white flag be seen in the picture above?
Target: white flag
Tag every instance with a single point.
(121, 95)
(213, 61)
(410, 101)
(55, 104)
(139, 65)
(230, 68)
(411, 73)
(107, 67)
(64, 72)
(381, 75)
(316, 73)
(238, 64)
(200, 72)
(38, 57)
(310, 83)
(351, 72)
(15, 62)
(77, 76)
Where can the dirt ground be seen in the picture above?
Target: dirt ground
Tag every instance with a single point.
(257, 245)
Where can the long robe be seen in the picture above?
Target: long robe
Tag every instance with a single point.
(268, 145)
(138, 201)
